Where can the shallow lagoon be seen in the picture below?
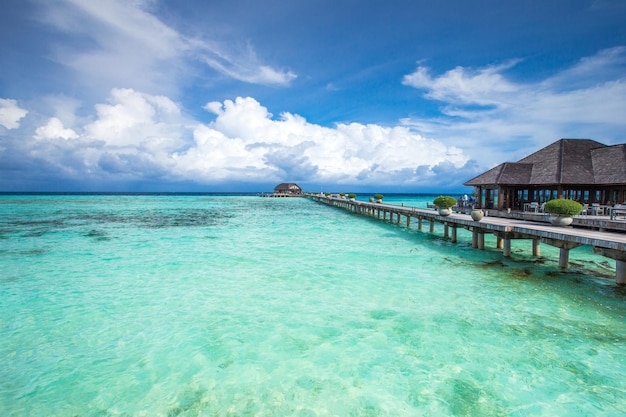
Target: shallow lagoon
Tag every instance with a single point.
(239, 305)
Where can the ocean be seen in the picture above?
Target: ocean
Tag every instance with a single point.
(237, 305)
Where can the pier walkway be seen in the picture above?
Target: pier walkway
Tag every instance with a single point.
(610, 244)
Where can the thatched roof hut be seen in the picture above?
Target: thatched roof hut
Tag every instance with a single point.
(580, 169)
(288, 188)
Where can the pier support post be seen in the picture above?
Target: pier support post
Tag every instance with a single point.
(446, 230)
(499, 243)
(620, 262)
(536, 247)
(620, 272)
(474, 238)
(507, 248)
(432, 226)
(408, 221)
(563, 258)
(453, 234)
(564, 250)
(419, 224)
(481, 240)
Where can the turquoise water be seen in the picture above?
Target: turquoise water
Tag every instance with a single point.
(247, 306)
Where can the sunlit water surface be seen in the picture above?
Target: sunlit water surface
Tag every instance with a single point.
(248, 306)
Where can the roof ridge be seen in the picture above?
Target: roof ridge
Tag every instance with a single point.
(560, 162)
(502, 169)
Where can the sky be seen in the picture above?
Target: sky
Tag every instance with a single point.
(335, 95)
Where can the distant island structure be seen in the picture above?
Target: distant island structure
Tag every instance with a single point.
(579, 169)
(285, 189)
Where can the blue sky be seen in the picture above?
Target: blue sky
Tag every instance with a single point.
(344, 95)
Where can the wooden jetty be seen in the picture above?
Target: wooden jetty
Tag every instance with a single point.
(610, 244)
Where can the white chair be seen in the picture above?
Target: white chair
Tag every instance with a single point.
(585, 209)
(595, 209)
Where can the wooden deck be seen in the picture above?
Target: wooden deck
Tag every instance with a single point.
(606, 237)
(280, 195)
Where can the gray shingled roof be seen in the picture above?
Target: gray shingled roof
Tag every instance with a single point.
(508, 173)
(564, 162)
(286, 186)
(609, 164)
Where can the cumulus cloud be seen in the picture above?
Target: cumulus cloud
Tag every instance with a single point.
(140, 137)
(54, 129)
(134, 136)
(62, 107)
(11, 113)
(134, 119)
(497, 119)
(245, 140)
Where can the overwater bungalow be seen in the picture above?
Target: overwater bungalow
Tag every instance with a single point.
(288, 189)
(579, 169)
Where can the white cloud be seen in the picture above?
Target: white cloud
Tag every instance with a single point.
(242, 64)
(54, 129)
(133, 119)
(11, 113)
(605, 66)
(141, 137)
(135, 136)
(587, 100)
(460, 85)
(130, 46)
(126, 44)
(246, 143)
(63, 108)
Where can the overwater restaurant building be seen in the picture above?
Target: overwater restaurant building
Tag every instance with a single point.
(579, 169)
(288, 188)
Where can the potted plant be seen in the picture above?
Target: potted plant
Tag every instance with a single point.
(351, 196)
(444, 204)
(562, 211)
(477, 214)
(342, 195)
(327, 194)
(378, 198)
